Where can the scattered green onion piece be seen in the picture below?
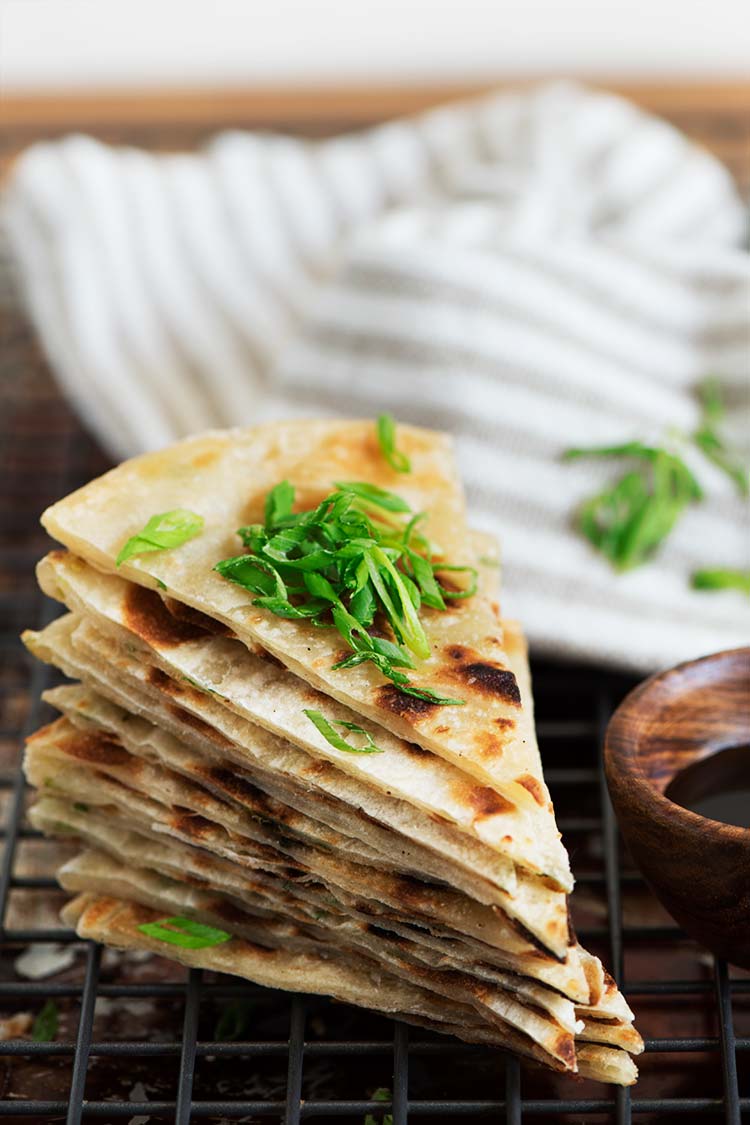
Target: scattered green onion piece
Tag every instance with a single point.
(725, 579)
(336, 740)
(386, 428)
(184, 932)
(382, 1094)
(44, 1028)
(162, 532)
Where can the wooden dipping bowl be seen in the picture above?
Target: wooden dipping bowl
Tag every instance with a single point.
(698, 868)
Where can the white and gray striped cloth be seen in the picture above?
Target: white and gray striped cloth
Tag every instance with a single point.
(529, 271)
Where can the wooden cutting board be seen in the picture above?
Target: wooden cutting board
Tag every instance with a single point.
(715, 114)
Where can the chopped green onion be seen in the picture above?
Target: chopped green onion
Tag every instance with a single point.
(387, 441)
(162, 532)
(184, 932)
(279, 503)
(44, 1028)
(341, 565)
(374, 495)
(382, 1094)
(339, 742)
(80, 807)
(722, 580)
(629, 521)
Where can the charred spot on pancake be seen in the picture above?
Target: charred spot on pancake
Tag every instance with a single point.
(147, 616)
(160, 679)
(443, 820)
(487, 802)
(491, 679)
(165, 684)
(241, 789)
(415, 751)
(532, 786)
(409, 707)
(564, 1048)
(101, 908)
(197, 724)
(442, 729)
(228, 912)
(410, 891)
(488, 678)
(97, 748)
(191, 616)
(191, 824)
(42, 732)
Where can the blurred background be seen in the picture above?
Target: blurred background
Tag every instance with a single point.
(85, 43)
(146, 295)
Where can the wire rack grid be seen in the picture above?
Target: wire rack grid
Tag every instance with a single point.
(303, 1058)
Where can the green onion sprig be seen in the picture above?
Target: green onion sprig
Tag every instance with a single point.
(629, 521)
(354, 562)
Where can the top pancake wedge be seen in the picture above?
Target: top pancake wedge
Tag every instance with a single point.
(225, 478)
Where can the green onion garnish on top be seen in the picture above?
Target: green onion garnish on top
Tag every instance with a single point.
(358, 563)
(396, 458)
(184, 932)
(169, 529)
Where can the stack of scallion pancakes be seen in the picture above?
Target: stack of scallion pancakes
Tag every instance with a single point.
(301, 746)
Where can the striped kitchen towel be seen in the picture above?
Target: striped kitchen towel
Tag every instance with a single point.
(529, 271)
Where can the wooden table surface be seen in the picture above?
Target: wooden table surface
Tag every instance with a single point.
(715, 114)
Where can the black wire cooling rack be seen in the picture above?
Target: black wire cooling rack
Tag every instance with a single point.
(143, 1041)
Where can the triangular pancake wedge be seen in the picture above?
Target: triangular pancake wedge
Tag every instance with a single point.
(261, 692)
(225, 477)
(118, 923)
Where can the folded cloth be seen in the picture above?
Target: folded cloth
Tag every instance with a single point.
(530, 271)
